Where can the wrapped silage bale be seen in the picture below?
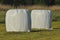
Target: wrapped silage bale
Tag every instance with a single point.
(18, 20)
(41, 19)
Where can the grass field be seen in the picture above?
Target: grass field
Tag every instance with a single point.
(34, 35)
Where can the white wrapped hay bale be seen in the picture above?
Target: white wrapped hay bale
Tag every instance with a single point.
(41, 19)
(18, 20)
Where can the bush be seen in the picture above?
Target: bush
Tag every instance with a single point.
(31, 2)
(57, 2)
(0, 1)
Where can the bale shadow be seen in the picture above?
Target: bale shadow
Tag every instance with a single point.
(13, 33)
(40, 30)
(35, 30)
(2, 22)
(56, 28)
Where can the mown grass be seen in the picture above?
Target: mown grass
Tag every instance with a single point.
(2, 16)
(33, 35)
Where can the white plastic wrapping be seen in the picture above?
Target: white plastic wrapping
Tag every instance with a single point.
(18, 20)
(41, 19)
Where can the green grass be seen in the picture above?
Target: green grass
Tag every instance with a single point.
(2, 16)
(56, 15)
(34, 35)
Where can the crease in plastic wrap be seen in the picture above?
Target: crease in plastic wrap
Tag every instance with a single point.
(41, 19)
(18, 20)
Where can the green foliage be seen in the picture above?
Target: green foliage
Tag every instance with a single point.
(29, 2)
(2, 16)
(0, 1)
(16, 3)
(7, 2)
(56, 15)
(57, 2)
(12, 2)
(39, 2)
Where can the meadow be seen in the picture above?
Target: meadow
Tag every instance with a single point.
(34, 34)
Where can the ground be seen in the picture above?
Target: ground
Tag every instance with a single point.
(33, 35)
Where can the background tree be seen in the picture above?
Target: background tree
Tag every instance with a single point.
(30, 2)
(8, 2)
(50, 2)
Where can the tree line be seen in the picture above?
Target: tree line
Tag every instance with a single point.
(30, 2)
